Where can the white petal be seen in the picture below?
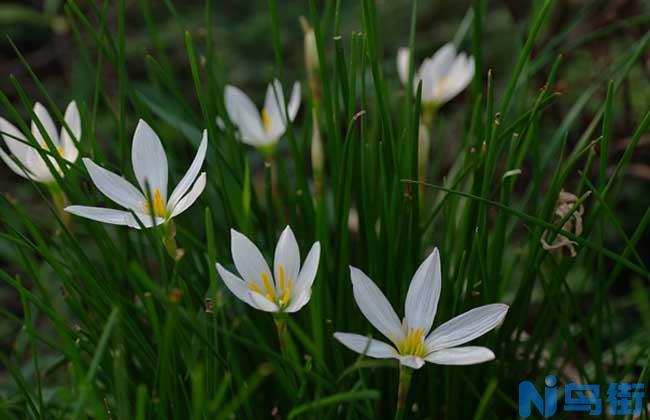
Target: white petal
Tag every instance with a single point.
(466, 327)
(46, 120)
(262, 303)
(100, 214)
(423, 294)
(294, 101)
(38, 168)
(374, 306)
(274, 107)
(191, 196)
(366, 345)
(309, 268)
(220, 123)
(457, 78)
(429, 82)
(413, 362)
(287, 256)
(143, 220)
(248, 259)
(68, 143)
(403, 59)
(243, 114)
(115, 187)
(14, 166)
(236, 285)
(298, 300)
(191, 174)
(114, 217)
(149, 160)
(12, 137)
(443, 60)
(469, 355)
(434, 69)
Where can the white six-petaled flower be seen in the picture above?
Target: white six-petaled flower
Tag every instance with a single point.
(261, 129)
(30, 163)
(443, 75)
(412, 343)
(150, 167)
(286, 289)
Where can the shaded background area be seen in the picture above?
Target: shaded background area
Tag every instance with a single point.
(244, 49)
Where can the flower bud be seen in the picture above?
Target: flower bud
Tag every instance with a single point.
(311, 52)
(312, 63)
(317, 154)
(424, 145)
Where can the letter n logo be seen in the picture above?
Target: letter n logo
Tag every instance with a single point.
(528, 395)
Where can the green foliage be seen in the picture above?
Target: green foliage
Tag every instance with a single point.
(108, 326)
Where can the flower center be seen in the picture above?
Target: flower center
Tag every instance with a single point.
(159, 206)
(266, 120)
(279, 295)
(442, 83)
(413, 343)
(59, 149)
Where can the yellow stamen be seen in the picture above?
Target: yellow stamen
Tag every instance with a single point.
(413, 343)
(280, 295)
(59, 149)
(159, 206)
(266, 120)
(281, 274)
(270, 290)
(286, 294)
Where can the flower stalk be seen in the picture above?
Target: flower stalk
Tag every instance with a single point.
(405, 377)
(424, 142)
(169, 241)
(281, 327)
(60, 202)
(271, 177)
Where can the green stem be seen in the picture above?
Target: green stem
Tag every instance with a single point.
(272, 172)
(269, 192)
(405, 376)
(169, 241)
(60, 202)
(424, 142)
(281, 326)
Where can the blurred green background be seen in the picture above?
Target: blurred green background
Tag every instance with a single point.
(244, 50)
(599, 32)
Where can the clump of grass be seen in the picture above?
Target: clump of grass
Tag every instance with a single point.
(111, 326)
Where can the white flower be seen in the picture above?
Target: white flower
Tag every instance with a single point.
(32, 165)
(150, 167)
(412, 343)
(287, 289)
(262, 129)
(444, 75)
